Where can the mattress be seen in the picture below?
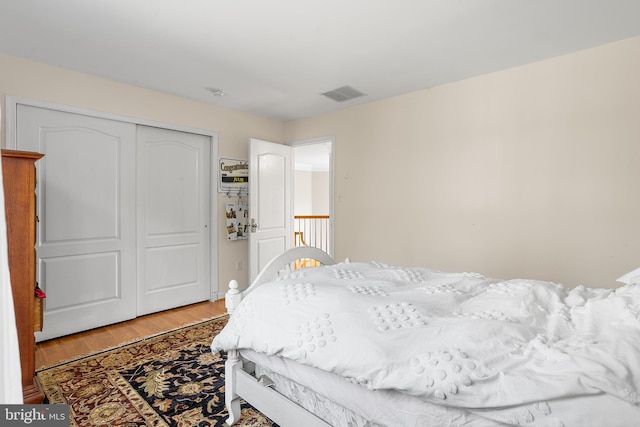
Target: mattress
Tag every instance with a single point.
(318, 391)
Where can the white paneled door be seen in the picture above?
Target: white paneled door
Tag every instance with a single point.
(173, 218)
(270, 202)
(124, 217)
(86, 233)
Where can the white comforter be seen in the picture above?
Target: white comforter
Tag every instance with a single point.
(459, 340)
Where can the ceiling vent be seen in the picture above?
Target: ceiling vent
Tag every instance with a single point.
(344, 93)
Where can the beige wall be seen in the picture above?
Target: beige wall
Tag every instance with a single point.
(311, 192)
(302, 193)
(530, 172)
(28, 79)
(321, 183)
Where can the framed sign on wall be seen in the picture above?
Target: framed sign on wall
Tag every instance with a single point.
(233, 176)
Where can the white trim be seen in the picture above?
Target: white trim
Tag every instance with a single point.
(11, 105)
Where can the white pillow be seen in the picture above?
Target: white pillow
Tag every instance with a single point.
(631, 278)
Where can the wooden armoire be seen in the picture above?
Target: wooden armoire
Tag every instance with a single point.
(19, 178)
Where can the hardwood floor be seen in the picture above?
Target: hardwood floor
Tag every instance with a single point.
(54, 351)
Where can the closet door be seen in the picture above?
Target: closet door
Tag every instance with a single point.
(86, 233)
(173, 218)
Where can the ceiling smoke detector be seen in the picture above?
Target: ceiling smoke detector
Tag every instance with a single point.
(344, 93)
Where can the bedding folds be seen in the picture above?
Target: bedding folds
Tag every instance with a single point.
(513, 350)
(319, 392)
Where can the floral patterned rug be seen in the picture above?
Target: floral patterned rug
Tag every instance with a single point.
(171, 379)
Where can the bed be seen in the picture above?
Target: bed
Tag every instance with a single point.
(370, 344)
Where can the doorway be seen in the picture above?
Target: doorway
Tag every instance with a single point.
(271, 197)
(313, 194)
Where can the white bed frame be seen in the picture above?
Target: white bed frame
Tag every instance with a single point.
(239, 381)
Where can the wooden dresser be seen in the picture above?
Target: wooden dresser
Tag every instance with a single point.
(19, 177)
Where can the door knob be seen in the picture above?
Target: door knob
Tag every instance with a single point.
(254, 225)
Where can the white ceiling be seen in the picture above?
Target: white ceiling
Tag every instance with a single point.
(274, 58)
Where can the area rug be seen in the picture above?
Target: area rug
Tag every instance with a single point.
(171, 379)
